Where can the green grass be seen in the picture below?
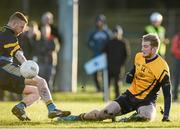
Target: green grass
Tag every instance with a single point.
(78, 103)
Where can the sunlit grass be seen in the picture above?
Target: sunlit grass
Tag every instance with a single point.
(78, 103)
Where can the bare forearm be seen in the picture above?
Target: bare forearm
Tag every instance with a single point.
(20, 56)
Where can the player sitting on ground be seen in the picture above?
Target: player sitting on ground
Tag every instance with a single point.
(149, 74)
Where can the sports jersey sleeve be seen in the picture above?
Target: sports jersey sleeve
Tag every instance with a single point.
(10, 44)
(12, 48)
(164, 79)
(166, 88)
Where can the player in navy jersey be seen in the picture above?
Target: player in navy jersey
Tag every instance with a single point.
(10, 77)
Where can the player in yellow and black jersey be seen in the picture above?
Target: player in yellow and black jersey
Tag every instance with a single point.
(10, 76)
(149, 74)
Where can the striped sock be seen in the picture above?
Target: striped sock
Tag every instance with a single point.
(50, 105)
(21, 105)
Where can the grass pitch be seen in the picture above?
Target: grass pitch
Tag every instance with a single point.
(78, 103)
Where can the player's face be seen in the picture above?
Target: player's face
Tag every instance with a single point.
(19, 28)
(147, 49)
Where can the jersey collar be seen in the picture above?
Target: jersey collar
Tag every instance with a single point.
(9, 28)
(147, 61)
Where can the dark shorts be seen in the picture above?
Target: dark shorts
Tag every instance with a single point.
(129, 103)
(11, 79)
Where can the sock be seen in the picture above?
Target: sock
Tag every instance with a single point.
(21, 105)
(51, 107)
(81, 116)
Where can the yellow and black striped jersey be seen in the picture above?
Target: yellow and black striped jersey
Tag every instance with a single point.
(148, 76)
(8, 42)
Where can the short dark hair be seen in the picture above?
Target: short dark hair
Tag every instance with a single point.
(18, 15)
(152, 38)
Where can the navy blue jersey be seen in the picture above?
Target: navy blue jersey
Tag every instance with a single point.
(8, 44)
(10, 76)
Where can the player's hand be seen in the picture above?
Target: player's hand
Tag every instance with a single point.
(129, 77)
(165, 119)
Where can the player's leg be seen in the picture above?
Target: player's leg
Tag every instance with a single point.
(120, 106)
(108, 112)
(11, 80)
(148, 112)
(45, 94)
(144, 113)
(30, 95)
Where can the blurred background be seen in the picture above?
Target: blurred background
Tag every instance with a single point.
(133, 16)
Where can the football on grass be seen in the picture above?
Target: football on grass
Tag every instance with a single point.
(29, 69)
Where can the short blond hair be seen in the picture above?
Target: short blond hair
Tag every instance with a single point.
(152, 38)
(18, 16)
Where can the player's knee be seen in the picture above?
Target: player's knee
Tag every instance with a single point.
(40, 81)
(98, 115)
(31, 90)
(31, 94)
(36, 95)
(148, 112)
(106, 114)
(92, 115)
(110, 111)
